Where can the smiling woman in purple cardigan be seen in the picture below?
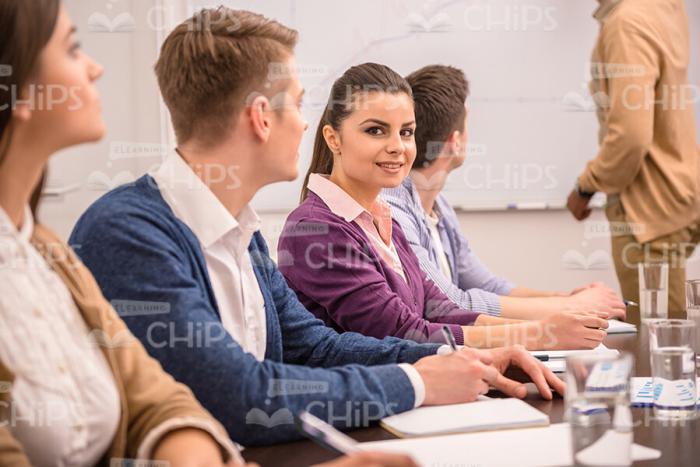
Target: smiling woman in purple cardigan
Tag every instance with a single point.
(345, 257)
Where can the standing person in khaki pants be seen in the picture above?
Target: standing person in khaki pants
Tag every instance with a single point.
(647, 163)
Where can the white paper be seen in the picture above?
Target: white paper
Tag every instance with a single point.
(557, 358)
(642, 391)
(619, 327)
(545, 446)
(554, 354)
(481, 415)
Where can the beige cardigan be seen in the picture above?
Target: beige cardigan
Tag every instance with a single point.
(149, 396)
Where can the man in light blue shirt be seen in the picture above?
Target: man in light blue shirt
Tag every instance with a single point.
(431, 225)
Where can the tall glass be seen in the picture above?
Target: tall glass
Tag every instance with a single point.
(692, 301)
(673, 370)
(653, 290)
(598, 408)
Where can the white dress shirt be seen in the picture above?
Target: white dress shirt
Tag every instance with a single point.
(65, 406)
(224, 240)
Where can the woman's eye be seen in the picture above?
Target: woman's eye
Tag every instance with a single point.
(375, 131)
(74, 48)
(408, 132)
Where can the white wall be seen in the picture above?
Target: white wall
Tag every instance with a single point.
(131, 110)
(528, 247)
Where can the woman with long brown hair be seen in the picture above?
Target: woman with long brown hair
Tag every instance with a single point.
(75, 387)
(348, 260)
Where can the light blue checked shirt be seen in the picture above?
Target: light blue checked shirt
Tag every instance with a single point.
(472, 286)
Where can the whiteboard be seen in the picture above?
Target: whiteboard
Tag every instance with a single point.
(532, 126)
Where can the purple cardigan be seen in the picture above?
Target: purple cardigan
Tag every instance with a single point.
(338, 276)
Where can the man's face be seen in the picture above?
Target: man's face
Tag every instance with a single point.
(287, 128)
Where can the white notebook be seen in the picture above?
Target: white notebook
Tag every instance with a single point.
(541, 446)
(482, 415)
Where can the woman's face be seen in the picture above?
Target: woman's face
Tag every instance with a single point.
(375, 145)
(64, 104)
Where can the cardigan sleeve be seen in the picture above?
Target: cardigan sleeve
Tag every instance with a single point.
(439, 308)
(138, 259)
(335, 271)
(308, 341)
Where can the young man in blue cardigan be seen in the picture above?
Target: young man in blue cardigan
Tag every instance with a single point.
(180, 254)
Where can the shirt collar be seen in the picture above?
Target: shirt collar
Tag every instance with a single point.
(8, 227)
(196, 205)
(337, 199)
(345, 206)
(605, 8)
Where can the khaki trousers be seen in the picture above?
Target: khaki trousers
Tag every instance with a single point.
(627, 252)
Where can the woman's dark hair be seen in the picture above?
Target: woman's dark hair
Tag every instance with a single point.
(25, 28)
(365, 78)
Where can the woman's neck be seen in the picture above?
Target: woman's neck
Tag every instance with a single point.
(20, 172)
(360, 192)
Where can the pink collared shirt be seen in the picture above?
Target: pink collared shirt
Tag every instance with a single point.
(376, 222)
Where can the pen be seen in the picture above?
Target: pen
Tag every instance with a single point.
(630, 303)
(450, 338)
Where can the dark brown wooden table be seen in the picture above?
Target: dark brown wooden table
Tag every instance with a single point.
(678, 442)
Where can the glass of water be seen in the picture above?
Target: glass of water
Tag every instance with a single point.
(692, 301)
(653, 290)
(673, 370)
(598, 408)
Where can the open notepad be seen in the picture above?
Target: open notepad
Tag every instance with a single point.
(481, 415)
(557, 358)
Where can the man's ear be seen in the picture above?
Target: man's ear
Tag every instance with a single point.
(453, 145)
(259, 113)
(332, 139)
